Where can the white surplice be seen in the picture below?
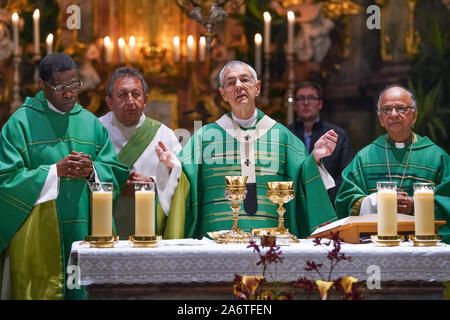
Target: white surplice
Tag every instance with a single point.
(147, 164)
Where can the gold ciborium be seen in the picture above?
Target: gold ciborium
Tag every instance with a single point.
(281, 192)
(235, 190)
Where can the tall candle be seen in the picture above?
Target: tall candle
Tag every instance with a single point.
(176, 49)
(49, 43)
(15, 24)
(132, 44)
(424, 212)
(37, 42)
(107, 47)
(190, 48)
(121, 50)
(258, 65)
(144, 213)
(102, 213)
(290, 32)
(267, 21)
(387, 212)
(201, 49)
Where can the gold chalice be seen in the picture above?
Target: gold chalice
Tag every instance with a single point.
(281, 192)
(235, 190)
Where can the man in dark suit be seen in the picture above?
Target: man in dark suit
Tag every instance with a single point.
(309, 127)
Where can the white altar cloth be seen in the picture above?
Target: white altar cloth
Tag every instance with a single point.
(188, 260)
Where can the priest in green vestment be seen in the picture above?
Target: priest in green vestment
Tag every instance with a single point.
(399, 156)
(249, 143)
(49, 149)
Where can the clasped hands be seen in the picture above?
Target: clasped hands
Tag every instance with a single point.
(75, 165)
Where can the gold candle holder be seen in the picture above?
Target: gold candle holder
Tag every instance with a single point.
(387, 241)
(235, 190)
(101, 216)
(424, 225)
(387, 215)
(425, 241)
(281, 192)
(145, 241)
(144, 236)
(100, 241)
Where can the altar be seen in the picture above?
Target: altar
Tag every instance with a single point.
(202, 269)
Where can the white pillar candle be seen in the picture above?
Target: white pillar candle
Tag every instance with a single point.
(144, 213)
(102, 213)
(267, 21)
(49, 44)
(201, 49)
(176, 49)
(290, 32)
(387, 212)
(190, 49)
(424, 212)
(37, 41)
(132, 45)
(258, 63)
(107, 46)
(15, 24)
(121, 43)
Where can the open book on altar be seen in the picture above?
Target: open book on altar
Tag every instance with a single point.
(352, 228)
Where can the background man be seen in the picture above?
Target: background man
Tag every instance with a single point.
(48, 148)
(247, 142)
(400, 156)
(142, 143)
(309, 127)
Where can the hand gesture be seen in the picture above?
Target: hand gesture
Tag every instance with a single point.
(405, 203)
(75, 165)
(325, 146)
(165, 156)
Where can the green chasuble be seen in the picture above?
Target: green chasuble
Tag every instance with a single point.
(38, 239)
(212, 153)
(427, 163)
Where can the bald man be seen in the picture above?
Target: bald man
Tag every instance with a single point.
(400, 156)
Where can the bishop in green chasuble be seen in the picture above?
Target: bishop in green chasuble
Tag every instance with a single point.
(427, 163)
(399, 156)
(211, 154)
(245, 142)
(38, 238)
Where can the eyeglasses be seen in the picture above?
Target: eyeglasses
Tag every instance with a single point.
(231, 83)
(399, 109)
(60, 88)
(309, 98)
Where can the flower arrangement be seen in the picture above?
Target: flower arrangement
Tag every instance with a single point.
(347, 286)
(253, 287)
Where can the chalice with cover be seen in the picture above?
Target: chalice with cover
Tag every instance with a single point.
(235, 191)
(281, 192)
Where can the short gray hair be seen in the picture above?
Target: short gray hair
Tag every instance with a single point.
(233, 63)
(413, 99)
(123, 72)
